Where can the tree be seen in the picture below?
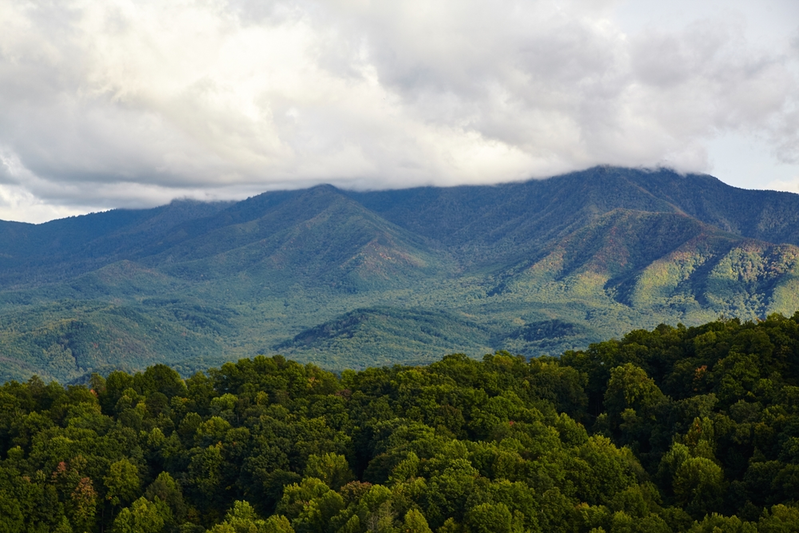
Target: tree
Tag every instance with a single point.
(330, 468)
(699, 485)
(780, 519)
(241, 518)
(415, 522)
(277, 524)
(122, 482)
(63, 526)
(84, 504)
(11, 517)
(489, 518)
(168, 491)
(630, 388)
(716, 523)
(143, 516)
(160, 378)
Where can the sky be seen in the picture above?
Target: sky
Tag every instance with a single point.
(133, 103)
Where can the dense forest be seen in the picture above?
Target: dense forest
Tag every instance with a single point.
(675, 429)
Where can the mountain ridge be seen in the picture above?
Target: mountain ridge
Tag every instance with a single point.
(532, 267)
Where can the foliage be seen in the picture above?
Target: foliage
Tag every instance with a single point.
(673, 429)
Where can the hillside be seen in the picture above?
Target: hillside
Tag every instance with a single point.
(535, 267)
(681, 429)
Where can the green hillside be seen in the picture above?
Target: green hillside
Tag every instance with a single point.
(537, 267)
(669, 430)
(382, 336)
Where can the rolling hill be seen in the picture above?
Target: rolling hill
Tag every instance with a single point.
(352, 279)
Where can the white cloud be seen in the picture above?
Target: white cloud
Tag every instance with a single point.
(126, 103)
(785, 185)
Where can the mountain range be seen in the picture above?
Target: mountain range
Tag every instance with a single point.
(350, 279)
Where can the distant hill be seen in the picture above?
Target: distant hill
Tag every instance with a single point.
(352, 279)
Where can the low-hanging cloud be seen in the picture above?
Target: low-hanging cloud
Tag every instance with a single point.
(132, 103)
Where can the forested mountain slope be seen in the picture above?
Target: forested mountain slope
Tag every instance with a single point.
(670, 430)
(534, 267)
(538, 211)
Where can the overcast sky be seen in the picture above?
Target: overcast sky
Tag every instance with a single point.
(131, 103)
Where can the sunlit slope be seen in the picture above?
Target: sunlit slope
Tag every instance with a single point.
(627, 268)
(659, 267)
(353, 279)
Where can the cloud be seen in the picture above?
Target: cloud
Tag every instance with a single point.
(786, 185)
(132, 103)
